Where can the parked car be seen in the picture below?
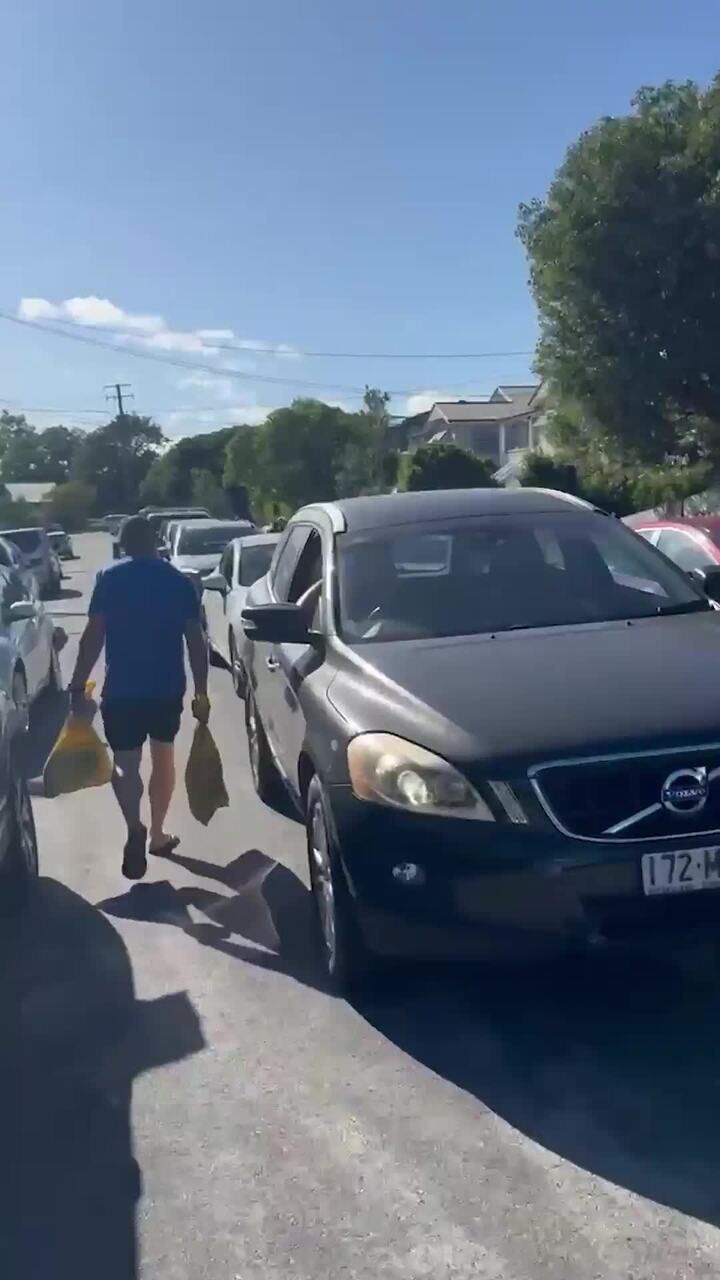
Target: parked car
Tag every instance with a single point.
(29, 635)
(18, 839)
(11, 558)
(34, 546)
(60, 541)
(691, 542)
(498, 749)
(197, 544)
(112, 522)
(243, 561)
(159, 517)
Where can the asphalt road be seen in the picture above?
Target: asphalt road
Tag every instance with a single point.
(182, 1100)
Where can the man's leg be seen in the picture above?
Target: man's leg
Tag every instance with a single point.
(160, 790)
(127, 785)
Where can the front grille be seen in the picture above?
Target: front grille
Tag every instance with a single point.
(587, 798)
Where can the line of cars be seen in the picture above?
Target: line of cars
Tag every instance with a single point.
(30, 645)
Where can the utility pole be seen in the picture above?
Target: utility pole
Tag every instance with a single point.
(117, 390)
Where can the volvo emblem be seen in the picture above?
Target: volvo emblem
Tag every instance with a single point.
(685, 791)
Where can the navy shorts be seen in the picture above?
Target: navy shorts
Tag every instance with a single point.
(128, 722)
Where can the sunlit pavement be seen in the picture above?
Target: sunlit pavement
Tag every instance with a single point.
(184, 1099)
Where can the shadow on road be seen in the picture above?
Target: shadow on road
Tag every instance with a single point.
(268, 906)
(65, 593)
(74, 1039)
(615, 1070)
(47, 717)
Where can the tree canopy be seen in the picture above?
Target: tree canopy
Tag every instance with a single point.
(115, 459)
(30, 455)
(446, 466)
(625, 268)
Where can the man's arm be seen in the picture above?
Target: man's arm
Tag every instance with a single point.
(91, 643)
(198, 655)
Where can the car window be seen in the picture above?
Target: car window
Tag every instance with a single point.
(287, 557)
(505, 574)
(650, 535)
(687, 552)
(202, 541)
(25, 539)
(255, 562)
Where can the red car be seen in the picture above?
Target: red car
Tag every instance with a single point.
(692, 542)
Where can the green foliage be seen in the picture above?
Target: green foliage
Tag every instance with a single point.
(446, 466)
(625, 260)
(71, 505)
(608, 487)
(169, 481)
(30, 455)
(208, 492)
(17, 515)
(116, 458)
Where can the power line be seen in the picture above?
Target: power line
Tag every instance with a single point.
(192, 367)
(287, 350)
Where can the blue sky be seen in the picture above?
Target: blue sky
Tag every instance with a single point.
(334, 175)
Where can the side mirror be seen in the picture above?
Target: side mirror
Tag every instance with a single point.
(708, 579)
(21, 611)
(215, 582)
(276, 624)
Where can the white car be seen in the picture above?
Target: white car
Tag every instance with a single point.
(30, 642)
(197, 544)
(244, 561)
(35, 549)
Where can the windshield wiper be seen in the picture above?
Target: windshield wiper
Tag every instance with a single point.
(688, 606)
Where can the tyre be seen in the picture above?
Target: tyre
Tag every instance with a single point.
(236, 667)
(347, 963)
(265, 776)
(20, 868)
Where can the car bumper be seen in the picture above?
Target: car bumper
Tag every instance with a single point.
(488, 889)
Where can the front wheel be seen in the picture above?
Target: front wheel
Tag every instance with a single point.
(346, 960)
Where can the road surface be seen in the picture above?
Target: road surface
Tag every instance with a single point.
(186, 1102)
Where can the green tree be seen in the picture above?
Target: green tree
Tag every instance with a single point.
(116, 458)
(71, 505)
(243, 474)
(12, 425)
(169, 481)
(302, 450)
(208, 492)
(625, 268)
(17, 514)
(446, 466)
(40, 455)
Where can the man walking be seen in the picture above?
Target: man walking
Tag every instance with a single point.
(142, 609)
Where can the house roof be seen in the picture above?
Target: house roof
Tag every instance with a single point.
(520, 395)
(30, 491)
(476, 410)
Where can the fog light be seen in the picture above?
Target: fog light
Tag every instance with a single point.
(408, 873)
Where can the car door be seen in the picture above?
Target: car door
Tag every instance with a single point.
(215, 603)
(687, 549)
(290, 664)
(261, 658)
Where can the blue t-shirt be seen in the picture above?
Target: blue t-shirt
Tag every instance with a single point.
(146, 604)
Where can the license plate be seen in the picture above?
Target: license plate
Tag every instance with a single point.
(681, 872)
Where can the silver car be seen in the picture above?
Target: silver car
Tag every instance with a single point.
(30, 643)
(35, 549)
(244, 561)
(198, 544)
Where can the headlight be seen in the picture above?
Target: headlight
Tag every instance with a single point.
(391, 771)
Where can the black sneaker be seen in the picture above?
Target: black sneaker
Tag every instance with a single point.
(134, 860)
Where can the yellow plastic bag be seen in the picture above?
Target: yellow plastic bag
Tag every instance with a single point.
(204, 780)
(79, 758)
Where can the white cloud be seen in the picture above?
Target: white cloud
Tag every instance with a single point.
(149, 330)
(219, 388)
(421, 401)
(183, 422)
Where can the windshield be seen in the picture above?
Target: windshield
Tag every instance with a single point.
(255, 562)
(159, 518)
(501, 574)
(25, 539)
(205, 542)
